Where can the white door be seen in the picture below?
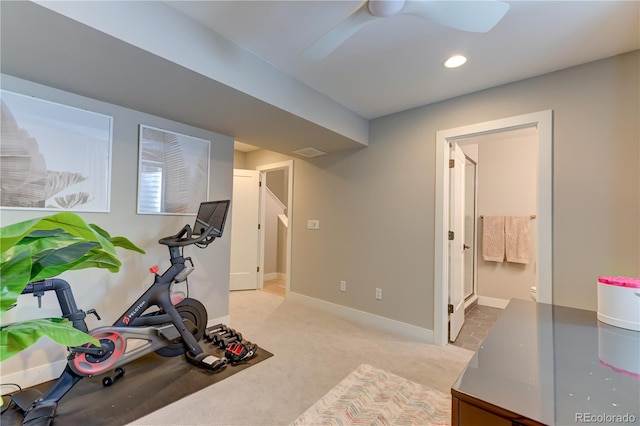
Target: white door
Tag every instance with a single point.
(456, 246)
(245, 214)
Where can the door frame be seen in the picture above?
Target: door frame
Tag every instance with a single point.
(543, 120)
(288, 165)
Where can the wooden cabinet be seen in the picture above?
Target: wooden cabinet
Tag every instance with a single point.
(469, 411)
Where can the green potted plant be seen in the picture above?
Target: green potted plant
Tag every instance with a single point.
(43, 248)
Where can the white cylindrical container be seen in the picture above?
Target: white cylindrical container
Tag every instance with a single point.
(619, 350)
(619, 302)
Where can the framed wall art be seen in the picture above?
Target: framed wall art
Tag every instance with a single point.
(53, 156)
(173, 172)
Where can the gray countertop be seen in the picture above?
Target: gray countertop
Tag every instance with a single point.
(558, 366)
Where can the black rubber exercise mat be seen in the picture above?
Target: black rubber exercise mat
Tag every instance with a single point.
(149, 383)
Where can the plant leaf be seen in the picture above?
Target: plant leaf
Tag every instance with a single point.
(73, 224)
(126, 244)
(12, 234)
(53, 262)
(117, 241)
(43, 248)
(68, 221)
(39, 243)
(100, 231)
(99, 259)
(15, 274)
(16, 337)
(43, 233)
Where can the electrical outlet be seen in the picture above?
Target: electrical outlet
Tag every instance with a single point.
(343, 286)
(379, 293)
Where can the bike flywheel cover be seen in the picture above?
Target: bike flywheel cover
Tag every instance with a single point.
(88, 365)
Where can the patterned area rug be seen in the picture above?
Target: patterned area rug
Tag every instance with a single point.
(370, 396)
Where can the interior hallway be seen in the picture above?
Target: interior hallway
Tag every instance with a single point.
(276, 287)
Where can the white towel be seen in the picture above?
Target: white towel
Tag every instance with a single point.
(493, 238)
(517, 240)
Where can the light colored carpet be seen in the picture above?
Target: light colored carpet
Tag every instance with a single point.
(313, 352)
(370, 396)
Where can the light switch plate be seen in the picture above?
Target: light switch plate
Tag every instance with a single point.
(313, 224)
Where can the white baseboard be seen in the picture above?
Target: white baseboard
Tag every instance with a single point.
(492, 302)
(408, 330)
(220, 320)
(274, 276)
(34, 376)
(473, 299)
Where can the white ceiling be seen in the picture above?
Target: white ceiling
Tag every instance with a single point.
(167, 59)
(393, 64)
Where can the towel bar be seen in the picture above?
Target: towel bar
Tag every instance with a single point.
(533, 216)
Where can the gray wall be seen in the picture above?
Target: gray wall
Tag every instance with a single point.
(376, 205)
(239, 159)
(277, 181)
(507, 185)
(110, 294)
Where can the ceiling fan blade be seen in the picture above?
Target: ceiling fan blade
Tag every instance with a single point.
(339, 33)
(473, 16)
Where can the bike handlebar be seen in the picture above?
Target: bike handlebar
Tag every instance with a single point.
(179, 239)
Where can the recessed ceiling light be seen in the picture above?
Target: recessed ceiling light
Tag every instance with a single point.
(455, 61)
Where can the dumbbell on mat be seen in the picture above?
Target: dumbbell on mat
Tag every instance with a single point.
(225, 341)
(211, 332)
(109, 380)
(218, 337)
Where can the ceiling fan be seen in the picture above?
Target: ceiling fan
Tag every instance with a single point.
(474, 16)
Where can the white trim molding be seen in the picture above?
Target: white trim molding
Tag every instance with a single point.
(387, 324)
(492, 302)
(268, 276)
(220, 320)
(34, 376)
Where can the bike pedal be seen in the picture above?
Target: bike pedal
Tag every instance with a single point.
(207, 361)
(25, 398)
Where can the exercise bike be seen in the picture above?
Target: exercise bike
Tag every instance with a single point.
(153, 321)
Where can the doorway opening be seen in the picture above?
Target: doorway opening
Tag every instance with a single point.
(543, 121)
(276, 214)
